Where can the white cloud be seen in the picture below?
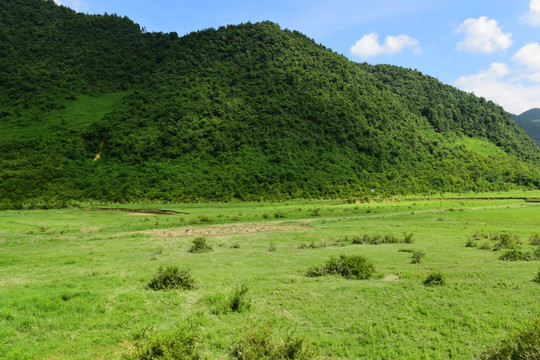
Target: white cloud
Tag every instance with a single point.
(533, 17)
(369, 45)
(529, 56)
(77, 5)
(483, 35)
(517, 90)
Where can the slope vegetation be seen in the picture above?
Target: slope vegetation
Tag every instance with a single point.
(248, 111)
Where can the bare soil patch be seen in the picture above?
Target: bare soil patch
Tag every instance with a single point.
(222, 230)
(144, 211)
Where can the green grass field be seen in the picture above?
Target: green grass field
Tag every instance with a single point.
(73, 282)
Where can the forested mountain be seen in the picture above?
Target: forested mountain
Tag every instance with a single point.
(94, 107)
(530, 122)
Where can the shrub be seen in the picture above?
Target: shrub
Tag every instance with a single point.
(408, 238)
(262, 343)
(171, 277)
(535, 240)
(417, 257)
(537, 278)
(523, 345)
(182, 344)
(350, 267)
(235, 245)
(505, 241)
(470, 243)
(434, 279)
(381, 239)
(516, 255)
(272, 247)
(200, 246)
(484, 246)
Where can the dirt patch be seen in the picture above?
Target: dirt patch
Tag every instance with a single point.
(391, 278)
(91, 230)
(222, 230)
(144, 211)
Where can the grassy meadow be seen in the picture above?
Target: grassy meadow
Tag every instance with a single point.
(73, 282)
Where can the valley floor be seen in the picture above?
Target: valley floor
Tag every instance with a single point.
(73, 282)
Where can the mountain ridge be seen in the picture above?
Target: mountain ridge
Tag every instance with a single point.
(246, 111)
(530, 122)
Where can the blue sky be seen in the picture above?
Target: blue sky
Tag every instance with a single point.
(489, 47)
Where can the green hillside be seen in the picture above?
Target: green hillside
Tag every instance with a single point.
(249, 112)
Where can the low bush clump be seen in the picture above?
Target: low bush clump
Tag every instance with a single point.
(434, 279)
(182, 343)
(263, 343)
(470, 243)
(382, 239)
(505, 241)
(535, 240)
(417, 257)
(350, 267)
(313, 245)
(171, 277)
(523, 345)
(200, 246)
(537, 278)
(516, 255)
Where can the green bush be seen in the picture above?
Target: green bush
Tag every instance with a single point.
(516, 255)
(434, 279)
(200, 246)
(470, 243)
(417, 257)
(408, 238)
(180, 344)
(505, 241)
(263, 344)
(524, 345)
(350, 267)
(272, 247)
(535, 240)
(537, 278)
(171, 277)
(380, 239)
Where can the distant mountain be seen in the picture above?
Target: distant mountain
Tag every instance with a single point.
(530, 122)
(531, 115)
(93, 107)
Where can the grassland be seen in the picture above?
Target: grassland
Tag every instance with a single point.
(73, 282)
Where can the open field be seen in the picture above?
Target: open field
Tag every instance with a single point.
(73, 282)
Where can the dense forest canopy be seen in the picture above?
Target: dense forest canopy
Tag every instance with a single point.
(93, 107)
